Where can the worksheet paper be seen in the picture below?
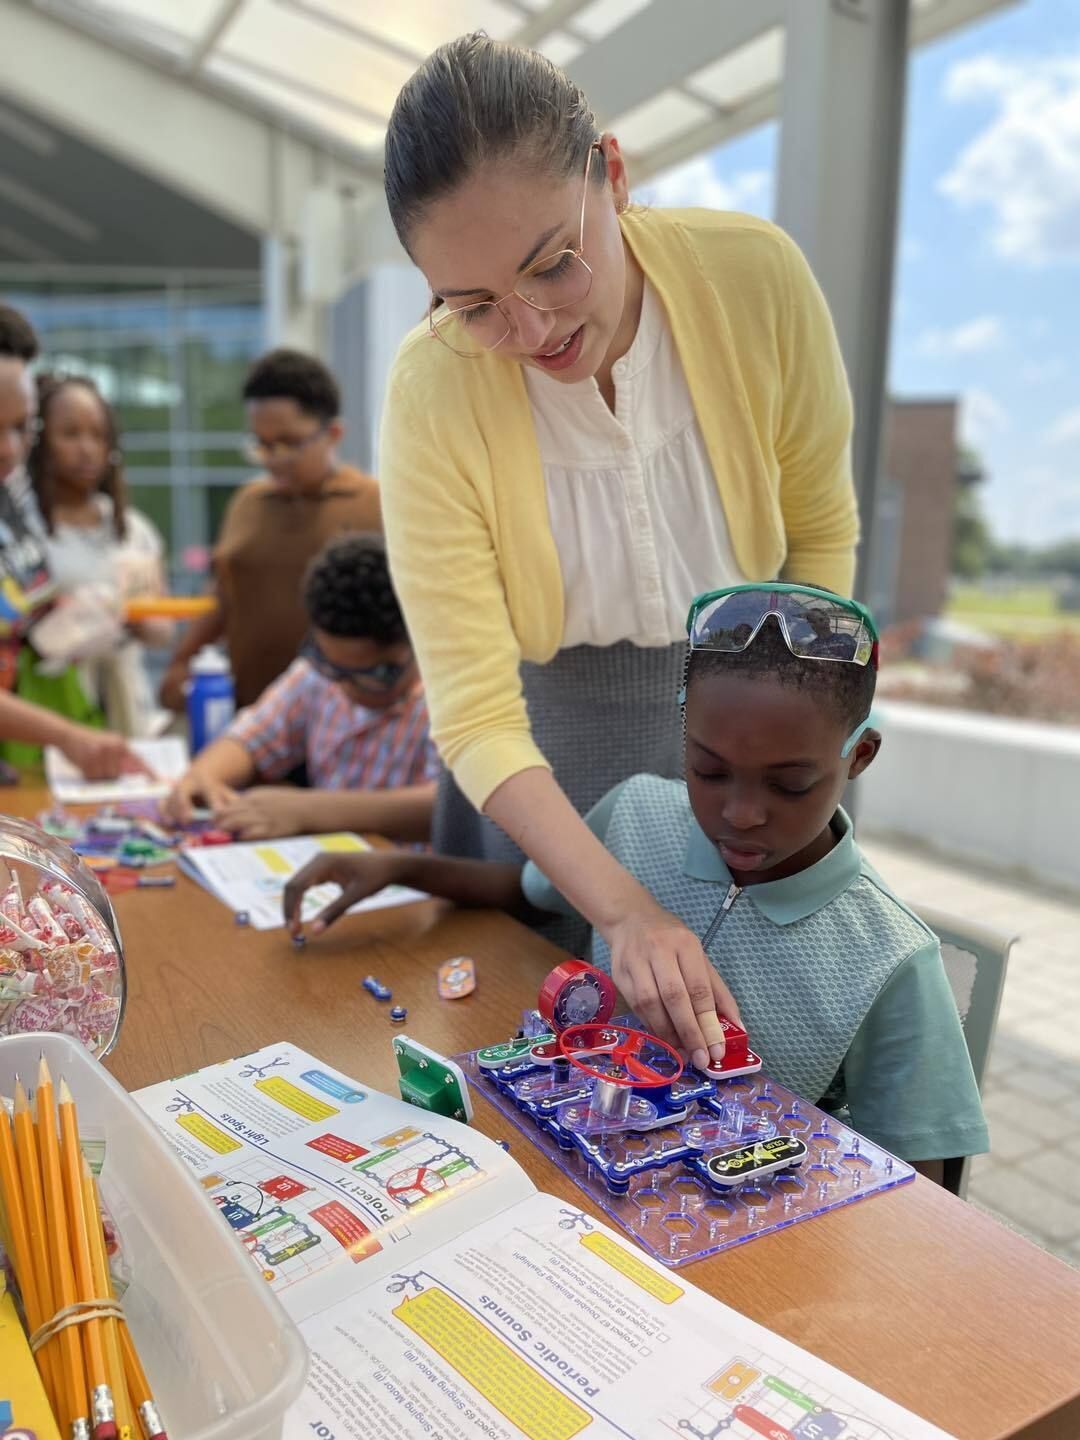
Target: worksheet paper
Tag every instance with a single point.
(167, 759)
(251, 876)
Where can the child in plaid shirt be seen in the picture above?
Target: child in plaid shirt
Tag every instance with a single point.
(350, 709)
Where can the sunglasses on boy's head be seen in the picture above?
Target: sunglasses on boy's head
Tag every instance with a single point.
(815, 624)
(383, 676)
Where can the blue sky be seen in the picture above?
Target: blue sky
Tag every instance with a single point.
(987, 301)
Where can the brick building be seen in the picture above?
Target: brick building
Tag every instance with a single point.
(921, 470)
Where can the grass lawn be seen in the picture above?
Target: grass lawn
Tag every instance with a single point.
(1027, 612)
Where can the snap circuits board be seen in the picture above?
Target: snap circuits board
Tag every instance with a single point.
(693, 1165)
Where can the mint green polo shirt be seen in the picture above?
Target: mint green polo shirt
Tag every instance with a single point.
(841, 987)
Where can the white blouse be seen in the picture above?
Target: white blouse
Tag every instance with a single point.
(637, 519)
(92, 554)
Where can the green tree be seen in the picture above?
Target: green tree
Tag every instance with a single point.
(971, 537)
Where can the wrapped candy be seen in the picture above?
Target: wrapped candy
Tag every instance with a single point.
(60, 967)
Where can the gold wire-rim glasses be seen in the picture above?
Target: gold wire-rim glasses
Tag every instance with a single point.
(435, 326)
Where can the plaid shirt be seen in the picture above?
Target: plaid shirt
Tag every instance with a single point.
(305, 719)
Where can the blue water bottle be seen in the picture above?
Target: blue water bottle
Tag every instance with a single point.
(211, 700)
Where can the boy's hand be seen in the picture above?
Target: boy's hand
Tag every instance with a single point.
(264, 812)
(173, 692)
(99, 754)
(194, 789)
(663, 973)
(358, 876)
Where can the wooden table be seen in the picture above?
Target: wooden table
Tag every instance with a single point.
(915, 1293)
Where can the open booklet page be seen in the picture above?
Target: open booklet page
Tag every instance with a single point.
(542, 1323)
(328, 1185)
(250, 876)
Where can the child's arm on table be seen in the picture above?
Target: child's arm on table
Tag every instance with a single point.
(211, 780)
(474, 884)
(402, 813)
(98, 754)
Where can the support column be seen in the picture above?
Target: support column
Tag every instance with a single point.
(837, 195)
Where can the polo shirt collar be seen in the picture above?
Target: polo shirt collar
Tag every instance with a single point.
(783, 901)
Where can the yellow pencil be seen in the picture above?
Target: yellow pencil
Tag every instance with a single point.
(102, 1411)
(67, 1341)
(114, 1362)
(140, 1389)
(17, 1235)
(138, 1386)
(37, 1232)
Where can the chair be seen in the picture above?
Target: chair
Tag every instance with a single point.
(976, 958)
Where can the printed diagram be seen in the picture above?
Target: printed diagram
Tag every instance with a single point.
(744, 1401)
(260, 1072)
(575, 1220)
(272, 1234)
(413, 1284)
(415, 1166)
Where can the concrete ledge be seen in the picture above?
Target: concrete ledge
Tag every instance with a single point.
(1001, 793)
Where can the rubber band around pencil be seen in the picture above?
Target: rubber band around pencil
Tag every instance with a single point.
(77, 1314)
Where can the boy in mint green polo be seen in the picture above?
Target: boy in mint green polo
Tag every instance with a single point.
(841, 988)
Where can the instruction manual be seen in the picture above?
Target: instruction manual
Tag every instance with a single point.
(441, 1295)
(250, 876)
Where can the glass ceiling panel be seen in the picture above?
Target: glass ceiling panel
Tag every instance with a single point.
(753, 67)
(659, 120)
(416, 26)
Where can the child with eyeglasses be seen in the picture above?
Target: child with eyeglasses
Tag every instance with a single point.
(277, 524)
(841, 987)
(350, 709)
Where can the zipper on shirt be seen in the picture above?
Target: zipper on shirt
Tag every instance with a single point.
(721, 915)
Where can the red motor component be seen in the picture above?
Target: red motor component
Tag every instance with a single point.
(576, 993)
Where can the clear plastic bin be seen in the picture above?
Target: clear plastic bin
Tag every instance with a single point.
(223, 1357)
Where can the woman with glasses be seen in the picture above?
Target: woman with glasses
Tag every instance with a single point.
(275, 526)
(608, 411)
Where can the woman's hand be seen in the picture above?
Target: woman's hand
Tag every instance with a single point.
(99, 754)
(664, 975)
(264, 812)
(358, 875)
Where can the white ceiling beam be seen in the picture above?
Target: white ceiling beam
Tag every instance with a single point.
(226, 14)
(220, 153)
(705, 137)
(660, 46)
(541, 24)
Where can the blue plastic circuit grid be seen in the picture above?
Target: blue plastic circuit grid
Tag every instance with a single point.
(657, 1183)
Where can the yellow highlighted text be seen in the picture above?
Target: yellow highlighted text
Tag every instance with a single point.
(506, 1381)
(628, 1264)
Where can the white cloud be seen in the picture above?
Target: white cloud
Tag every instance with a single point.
(1065, 430)
(699, 183)
(1025, 164)
(985, 332)
(1041, 372)
(981, 417)
(1038, 507)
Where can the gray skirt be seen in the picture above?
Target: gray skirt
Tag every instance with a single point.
(599, 715)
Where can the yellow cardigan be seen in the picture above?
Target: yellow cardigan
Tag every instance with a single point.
(465, 503)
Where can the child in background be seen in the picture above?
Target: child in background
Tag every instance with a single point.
(841, 988)
(99, 755)
(97, 543)
(350, 708)
(277, 524)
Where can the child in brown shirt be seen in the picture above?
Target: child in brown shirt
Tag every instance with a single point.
(274, 526)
